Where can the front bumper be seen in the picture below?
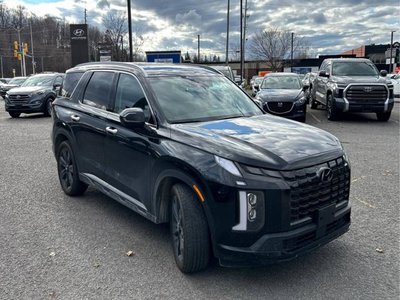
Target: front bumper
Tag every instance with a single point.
(284, 246)
(25, 107)
(343, 105)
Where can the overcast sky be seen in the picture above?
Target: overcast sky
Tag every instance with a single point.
(330, 26)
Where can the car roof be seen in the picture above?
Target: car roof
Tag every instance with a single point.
(283, 74)
(150, 69)
(351, 59)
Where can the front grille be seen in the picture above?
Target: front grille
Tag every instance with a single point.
(279, 107)
(308, 193)
(18, 99)
(367, 94)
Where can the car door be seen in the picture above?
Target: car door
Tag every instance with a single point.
(88, 123)
(321, 83)
(129, 152)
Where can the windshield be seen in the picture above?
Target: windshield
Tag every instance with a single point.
(17, 80)
(202, 98)
(39, 81)
(354, 69)
(258, 80)
(281, 83)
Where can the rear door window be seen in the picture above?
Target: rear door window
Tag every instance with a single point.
(99, 90)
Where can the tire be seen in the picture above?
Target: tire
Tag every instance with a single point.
(47, 107)
(302, 119)
(313, 104)
(383, 117)
(331, 111)
(189, 230)
(14, 114)
(68, 172)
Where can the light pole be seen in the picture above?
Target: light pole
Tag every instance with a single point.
(198, 48)
(291, 54)
(241, 40)
(130, 31)
(227, 33)
(391, 54)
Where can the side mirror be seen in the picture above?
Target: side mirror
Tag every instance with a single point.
(323, 73)
(305, 87)
(132, 117)
(383, 73)
(56, 86)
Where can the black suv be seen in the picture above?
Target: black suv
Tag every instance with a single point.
(35, 95)
(352, 85)
(183, 144)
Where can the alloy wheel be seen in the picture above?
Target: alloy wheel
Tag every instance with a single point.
(177, 228)
(66, 168)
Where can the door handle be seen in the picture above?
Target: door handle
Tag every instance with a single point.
(111, 130)
(75, 118)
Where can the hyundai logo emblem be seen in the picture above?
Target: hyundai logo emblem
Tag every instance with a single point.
(368, 89)
(325, 174)
(18, 97)
(78, 32)
(280, 104)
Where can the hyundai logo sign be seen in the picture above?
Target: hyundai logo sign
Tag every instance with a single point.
(368, 89)
(79, 32)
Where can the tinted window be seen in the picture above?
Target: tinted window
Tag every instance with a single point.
(354, 69)
(70, 82)
(202, 98)
(98, 91)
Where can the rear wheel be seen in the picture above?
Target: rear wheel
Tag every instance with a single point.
(331, 111)
(189, 230)
(383, 117)
(68, 172)
(14, 114)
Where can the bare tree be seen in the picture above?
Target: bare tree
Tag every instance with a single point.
(274, 45)
(116, 27)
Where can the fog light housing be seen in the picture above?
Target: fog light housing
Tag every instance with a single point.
(252, 199)
(250, 211)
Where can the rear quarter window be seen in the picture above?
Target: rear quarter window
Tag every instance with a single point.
(70, 81)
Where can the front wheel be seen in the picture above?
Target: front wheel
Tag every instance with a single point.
(14, 114)
(383, 117)
(331, 111)
(47, 108)
(189, 230)
(68, 172)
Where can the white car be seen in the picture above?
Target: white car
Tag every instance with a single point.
(395, 78)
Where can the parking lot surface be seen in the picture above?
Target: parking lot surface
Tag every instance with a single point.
(57, 247)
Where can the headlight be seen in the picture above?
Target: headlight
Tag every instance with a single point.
(228, 165)
(39, 93)
(301, 101)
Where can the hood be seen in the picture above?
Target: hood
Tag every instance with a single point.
(9, 86)
(27, 89)
(279, 95)
(358, 79)
(265, 141)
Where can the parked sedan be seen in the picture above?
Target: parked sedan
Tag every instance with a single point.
(282, 94)
(15, 82)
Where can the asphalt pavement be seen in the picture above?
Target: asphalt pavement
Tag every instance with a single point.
(57, 247)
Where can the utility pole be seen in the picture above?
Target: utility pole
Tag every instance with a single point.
(241, 40)
(227, 33)
(33, 57)
(198, 48)
(19, 47)
(130, 31)
(85, 12)
(1, 64)
(291, 54)
(23, 60)
(391, 54)
(244, 38)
